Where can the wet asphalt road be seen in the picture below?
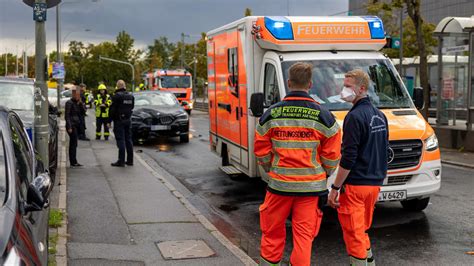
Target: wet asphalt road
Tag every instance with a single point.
(440, 235)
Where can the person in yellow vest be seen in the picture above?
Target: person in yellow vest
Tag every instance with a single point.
(102, 104)
(140, 87)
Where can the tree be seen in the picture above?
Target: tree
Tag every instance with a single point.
(417, 36)
(159, 54)
(248, 12)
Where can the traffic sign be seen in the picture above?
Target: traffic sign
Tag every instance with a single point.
(455, 49)
(395, 43)
(39, 12)
(49, 3)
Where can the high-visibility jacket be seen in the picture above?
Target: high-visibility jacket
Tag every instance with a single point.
(299, 142)
(100, 111)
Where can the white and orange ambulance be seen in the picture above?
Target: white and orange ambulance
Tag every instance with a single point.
(248, 62)
(177, 81)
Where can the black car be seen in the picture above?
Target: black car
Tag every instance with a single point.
(158, 114)
(24, 188)
(18, 95)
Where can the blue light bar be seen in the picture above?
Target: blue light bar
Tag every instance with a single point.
(29, 131)
(279, 27)
(375, 26)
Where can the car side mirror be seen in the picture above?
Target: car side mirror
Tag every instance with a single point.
(184, 103)
(38, 193)
(418, 98)
(256, 104)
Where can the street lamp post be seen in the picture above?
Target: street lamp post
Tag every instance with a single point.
(122, 62)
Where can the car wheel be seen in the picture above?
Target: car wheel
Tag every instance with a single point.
(415, 205)
(184, 138)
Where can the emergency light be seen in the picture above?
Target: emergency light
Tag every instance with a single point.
(279, 27)
(375, 26)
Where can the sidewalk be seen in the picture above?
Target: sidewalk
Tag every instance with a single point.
(131, 215)
(455, 157)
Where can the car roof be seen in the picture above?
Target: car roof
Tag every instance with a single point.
(16, 80)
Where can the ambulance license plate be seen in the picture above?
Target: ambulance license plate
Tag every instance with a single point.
(392, 195)
(159, 127)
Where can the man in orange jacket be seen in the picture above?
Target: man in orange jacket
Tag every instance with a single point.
(362, 169)
(298, 142)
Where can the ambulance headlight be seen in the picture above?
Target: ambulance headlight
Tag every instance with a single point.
(376, 27)
(431, 143)
(279, 27)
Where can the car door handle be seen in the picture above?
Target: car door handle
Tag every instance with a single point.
(225, 106)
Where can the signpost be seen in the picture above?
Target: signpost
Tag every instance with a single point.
(41, 137)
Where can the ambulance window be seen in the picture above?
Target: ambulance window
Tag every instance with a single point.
(233, 68)
(270, 87)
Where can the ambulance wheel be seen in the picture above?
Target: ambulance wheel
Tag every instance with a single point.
(415, 205)
(184, 138)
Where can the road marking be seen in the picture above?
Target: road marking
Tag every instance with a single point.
(240, 254)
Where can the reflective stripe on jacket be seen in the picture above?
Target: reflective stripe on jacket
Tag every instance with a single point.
(102, 111)
(299, 141)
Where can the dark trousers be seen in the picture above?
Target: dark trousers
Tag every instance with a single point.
(82, 128)
(98, 130)
(73, 145)
(123, 136)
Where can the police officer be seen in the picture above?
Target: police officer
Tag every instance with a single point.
(72, 116)
(121, 113)
(362, 169)
(298, 143)
(102, 104)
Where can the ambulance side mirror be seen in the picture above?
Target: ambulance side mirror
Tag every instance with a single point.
(418, 98)
(256, 104)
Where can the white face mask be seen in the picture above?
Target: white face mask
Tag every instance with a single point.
(347, 94)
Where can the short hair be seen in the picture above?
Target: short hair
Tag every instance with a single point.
(300, 74)
(82, 85)
(360, 77)
(120, 84)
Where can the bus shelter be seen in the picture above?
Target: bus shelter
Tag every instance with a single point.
(454, 86)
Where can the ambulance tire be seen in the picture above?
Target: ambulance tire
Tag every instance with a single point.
(184, 138)
(415, 205)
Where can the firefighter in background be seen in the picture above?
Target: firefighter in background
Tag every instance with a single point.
(140, 87)
(298, 142)
(362, 169)
(102, 105)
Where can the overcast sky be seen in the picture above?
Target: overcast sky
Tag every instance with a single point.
(144, 20)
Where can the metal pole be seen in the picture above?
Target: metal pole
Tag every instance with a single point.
(24, 64)
(58, 56)
(470, 80)
(440, 81)
(41, 92)
(182, 50)
(400, 70)
(194, 73)
(6, 63)
(16, 61)
(125, 63)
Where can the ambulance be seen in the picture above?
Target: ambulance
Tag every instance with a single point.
(248, 62)
(176, 81)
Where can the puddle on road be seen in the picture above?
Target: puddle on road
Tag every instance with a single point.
(228, 208)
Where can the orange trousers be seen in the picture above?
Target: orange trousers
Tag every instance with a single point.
(305, 219)
(355, 213)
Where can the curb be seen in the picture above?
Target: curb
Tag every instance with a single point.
(61, 255)
(240, 254)
(457, 164)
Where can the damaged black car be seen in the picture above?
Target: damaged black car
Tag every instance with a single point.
(158, 114)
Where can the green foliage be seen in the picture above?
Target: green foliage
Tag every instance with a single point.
(52, 242)
(248, 12)
(55, 218)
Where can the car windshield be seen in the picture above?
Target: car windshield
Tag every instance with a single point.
(67, 94)
(385, 89)
(17, 96)
(163, 99)
(175, 81)
(3, 172)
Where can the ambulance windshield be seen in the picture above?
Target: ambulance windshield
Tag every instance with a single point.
(385, 90)
(175, 82)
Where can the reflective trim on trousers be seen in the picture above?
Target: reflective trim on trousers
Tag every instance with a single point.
(265, 159)
(310, 186)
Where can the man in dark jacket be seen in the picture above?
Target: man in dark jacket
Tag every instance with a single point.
(362, 168)
(121, 113)
(72, 116)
